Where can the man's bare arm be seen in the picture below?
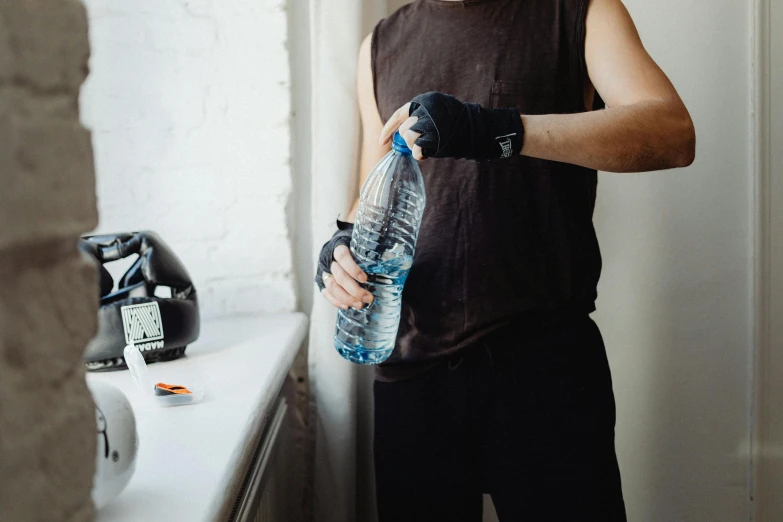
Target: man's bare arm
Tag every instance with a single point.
(645, 125)
(343, 290)
(371, 152)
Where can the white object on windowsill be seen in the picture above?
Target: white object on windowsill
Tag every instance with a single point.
(137, 367)
(190, 459)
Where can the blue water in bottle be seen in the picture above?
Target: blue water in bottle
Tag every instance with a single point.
(384, 237)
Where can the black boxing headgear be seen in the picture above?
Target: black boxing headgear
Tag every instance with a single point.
(161, 327)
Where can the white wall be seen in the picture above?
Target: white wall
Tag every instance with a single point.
(674, 299)
(189, 103)
(768, 412)
(300, 217)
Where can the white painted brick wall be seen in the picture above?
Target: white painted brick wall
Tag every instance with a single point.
(189, 104)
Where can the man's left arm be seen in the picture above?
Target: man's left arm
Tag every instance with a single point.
(645, 125)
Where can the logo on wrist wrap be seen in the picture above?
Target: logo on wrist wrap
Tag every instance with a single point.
(505, 145)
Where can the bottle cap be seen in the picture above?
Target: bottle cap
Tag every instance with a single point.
(399, 144)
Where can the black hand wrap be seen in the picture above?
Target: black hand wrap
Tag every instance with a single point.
(452, 129)
(341, 237)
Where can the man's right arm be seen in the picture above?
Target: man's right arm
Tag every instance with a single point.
(371, 152)
(342, 290)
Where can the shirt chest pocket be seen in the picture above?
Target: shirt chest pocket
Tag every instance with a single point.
(525, 96)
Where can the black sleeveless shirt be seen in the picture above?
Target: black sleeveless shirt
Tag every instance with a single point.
(508, 241)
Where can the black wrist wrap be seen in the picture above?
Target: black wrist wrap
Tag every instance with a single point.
(452, 129)
(341, 237)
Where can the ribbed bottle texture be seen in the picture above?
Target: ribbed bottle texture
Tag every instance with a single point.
(383, 242)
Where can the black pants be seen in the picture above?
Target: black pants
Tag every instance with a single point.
(526, 415)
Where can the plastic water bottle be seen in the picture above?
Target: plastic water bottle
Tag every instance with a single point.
(384, 237)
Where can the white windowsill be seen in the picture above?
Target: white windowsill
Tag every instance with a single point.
(190, 457)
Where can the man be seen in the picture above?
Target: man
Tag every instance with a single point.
(499, 382)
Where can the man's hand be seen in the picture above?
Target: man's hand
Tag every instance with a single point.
(437, 125)
(342, 289)
(401, 121)
(338, 276)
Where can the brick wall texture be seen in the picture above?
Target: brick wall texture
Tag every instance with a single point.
(189, 104)
(47, 290)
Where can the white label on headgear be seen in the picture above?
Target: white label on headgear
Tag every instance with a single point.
(142, 323)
